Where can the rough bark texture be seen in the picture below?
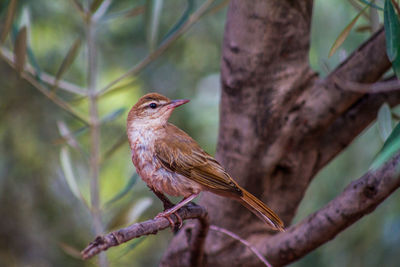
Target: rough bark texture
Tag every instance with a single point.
(279, 123)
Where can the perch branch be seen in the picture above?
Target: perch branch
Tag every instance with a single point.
(102, 243)
(359, 198)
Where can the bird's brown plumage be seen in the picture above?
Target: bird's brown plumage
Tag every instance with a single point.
(175, 156)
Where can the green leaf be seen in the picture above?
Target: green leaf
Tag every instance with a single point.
(384, 121)
(66, 166)
(343, 35)
(20, 50)
(95, 5)
(396, 67)
(390, 147)
(12, 7)
(185, 16)
(140, 206)
(372, 4)
(153, 15)
(132, 245)
(34, 63)
(392, 30)
(113, 115)
(67, 62)
(132, 181)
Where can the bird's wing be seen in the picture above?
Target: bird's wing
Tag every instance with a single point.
(179, 153)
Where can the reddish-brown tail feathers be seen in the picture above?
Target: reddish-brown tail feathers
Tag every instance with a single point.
(261, 210)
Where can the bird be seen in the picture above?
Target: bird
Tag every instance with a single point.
(170, 162)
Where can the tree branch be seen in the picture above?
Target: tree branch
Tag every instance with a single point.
(358, 199)
(352, 123)
(192, 211)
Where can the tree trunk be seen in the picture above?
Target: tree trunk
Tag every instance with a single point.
(279, 123)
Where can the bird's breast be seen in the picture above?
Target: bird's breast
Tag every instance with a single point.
(152, 171)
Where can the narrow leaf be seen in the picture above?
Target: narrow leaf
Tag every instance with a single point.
(113, 115)
(67, 62)
(181, 21)
(95, 5)
(372, 4)
(392, 30)
(153, 15)
(384, 122)
(66, 166)
(390, 147)
(125, 190)
(343, 35)
(20, 50)
(131, 245)
(12, 7)
(140, 206)
(34, 63)
(396, 67)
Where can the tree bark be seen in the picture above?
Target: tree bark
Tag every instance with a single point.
(279, 123)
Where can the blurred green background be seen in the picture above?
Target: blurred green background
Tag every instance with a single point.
(44, 224)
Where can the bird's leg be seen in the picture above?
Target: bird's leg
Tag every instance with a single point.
(167, 213)
(166, 202)
(167, 205)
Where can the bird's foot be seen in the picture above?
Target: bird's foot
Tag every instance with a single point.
(167, 215)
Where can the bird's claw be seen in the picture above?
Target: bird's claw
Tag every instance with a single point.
(167, 215)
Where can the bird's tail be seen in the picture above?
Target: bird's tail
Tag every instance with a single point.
(261, 210)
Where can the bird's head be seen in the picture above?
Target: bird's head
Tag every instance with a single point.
(153, 110)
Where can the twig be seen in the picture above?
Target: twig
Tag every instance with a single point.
(161, 49)
(244, 242)
(94, 133)
(396, 6)
(149, 227)
(368, 88)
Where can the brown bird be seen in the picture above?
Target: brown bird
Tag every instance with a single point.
(172, 163)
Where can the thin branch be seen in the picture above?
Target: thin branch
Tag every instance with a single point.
(161, 49)
(8, 57)
(120, 141)
(94, 133)
(244, 242)
(149, 227)
(358, 199)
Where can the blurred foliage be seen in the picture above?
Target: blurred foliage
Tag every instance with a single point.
(44, 224)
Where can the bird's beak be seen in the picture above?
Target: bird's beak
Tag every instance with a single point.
(177, 103)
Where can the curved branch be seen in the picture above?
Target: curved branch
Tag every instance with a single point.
(359, 198)
(102, 243)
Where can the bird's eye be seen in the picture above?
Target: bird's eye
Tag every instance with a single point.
(153, 105)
